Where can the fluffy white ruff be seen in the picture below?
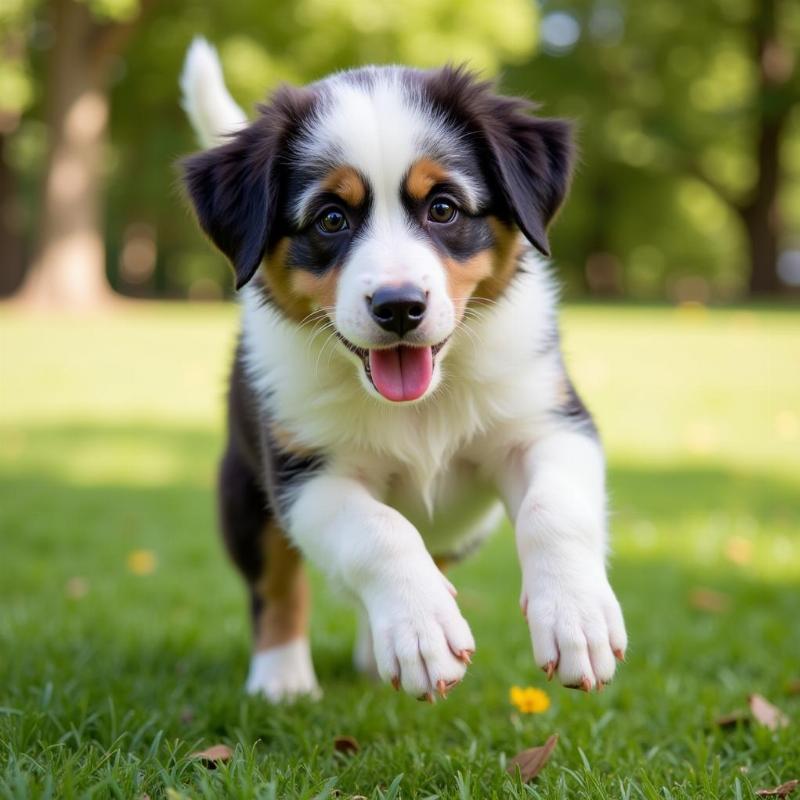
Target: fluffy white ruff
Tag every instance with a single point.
(283, 673)
(204, 96)
(492, 381)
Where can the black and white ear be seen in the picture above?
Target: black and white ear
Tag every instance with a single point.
(528, 160)
(231, 191)
(533, 161)
(236, 188)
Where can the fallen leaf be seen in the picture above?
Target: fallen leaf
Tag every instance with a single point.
(732, 719)
(793, 687)
(705, 599)
(779, 791)
(211, 756)
(766, 713)
(346, 744)
(531, 761)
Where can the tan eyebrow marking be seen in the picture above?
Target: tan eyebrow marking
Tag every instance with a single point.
(347, 184)
(423, 176)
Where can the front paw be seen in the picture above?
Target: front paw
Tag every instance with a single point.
(421, 642)
(576, 626)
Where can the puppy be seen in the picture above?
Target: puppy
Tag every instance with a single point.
(398, 380)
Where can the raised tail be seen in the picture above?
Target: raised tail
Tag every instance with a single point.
(204, 96)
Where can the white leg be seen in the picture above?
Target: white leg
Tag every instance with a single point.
(420, 639)
(555, 490)
(284, 672)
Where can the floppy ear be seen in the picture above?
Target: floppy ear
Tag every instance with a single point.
(533, 159)
(231, 194)
(235, 188)
(528, 159)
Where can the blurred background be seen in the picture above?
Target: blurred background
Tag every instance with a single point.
(688, 188)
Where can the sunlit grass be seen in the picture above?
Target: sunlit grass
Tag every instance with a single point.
(123, 631)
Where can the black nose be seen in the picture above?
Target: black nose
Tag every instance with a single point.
(398, 308)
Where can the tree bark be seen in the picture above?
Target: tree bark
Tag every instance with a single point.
(761, 215)
(760, 212)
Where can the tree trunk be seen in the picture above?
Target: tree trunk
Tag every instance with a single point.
(761, 216)
(12, 248)
(69, 269)
(761, 212)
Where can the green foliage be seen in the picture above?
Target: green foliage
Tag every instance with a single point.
(109, 679)
(664, 96)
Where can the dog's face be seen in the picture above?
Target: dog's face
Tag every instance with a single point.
(384, 201)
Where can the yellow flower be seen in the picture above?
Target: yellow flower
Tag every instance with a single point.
(529, 700)
(142, 562)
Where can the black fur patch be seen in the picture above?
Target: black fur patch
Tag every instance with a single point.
(574, 411)
(460, 239)
(255, 476)
(312, 249)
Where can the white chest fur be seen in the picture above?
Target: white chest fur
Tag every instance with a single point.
(431, 460)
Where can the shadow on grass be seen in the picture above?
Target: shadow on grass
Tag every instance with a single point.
(99, 660)
(57, 530)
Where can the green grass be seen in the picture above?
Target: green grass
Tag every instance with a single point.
(109, 431)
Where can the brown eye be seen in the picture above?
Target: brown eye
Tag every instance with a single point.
(441, 211)
(332, 221)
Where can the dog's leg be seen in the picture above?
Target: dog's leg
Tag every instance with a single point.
(281, 666)
(555, 491)
(420, 639)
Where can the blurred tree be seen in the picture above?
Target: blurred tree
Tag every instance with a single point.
(691, 149)
(684, 114)
(149, 248)
(69, 267)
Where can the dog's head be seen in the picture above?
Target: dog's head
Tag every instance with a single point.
(384, 201)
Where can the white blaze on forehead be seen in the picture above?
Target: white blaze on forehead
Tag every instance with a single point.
(380, 127)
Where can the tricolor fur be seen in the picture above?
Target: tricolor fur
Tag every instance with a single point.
(399, 377)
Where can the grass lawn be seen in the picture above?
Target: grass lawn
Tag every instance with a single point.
(124, 634)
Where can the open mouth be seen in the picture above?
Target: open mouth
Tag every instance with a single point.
(400, 373)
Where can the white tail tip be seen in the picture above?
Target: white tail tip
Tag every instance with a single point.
(204, 96)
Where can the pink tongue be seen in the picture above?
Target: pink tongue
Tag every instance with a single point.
(401, 373)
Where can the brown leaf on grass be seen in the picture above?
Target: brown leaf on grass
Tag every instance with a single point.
(346, 744)
(793, 687)
(779, 791)
(531, 761)
(704, 599)
(767, 714)
(211, 756)
(732, 719)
